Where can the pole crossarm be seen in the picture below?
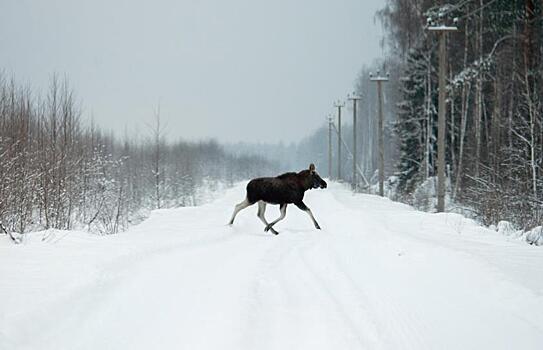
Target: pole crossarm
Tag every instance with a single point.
(442, 29)
(379, 79)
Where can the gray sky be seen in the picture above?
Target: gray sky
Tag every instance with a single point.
(234, 70)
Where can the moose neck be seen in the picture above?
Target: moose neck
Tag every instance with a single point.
(305, 180)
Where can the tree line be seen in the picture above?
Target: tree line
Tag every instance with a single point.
(494, 131)
(59, 171)
(494, 111)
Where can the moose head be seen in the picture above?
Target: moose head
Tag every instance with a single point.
(316, 180)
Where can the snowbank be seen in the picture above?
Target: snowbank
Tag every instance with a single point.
(535, 236)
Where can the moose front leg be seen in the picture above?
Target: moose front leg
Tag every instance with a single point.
(304, 207)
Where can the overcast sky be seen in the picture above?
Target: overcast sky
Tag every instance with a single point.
(234, 70)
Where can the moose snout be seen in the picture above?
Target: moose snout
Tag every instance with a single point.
(324, 184)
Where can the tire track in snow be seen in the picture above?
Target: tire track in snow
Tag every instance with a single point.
(111, 276)
(266, 286)
(363, 330)
(386, 314)
(186, 281)
(272, 282)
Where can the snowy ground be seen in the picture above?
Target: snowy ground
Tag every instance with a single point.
(378, 276)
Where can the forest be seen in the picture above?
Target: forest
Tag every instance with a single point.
(61, 171)
(494, 113)
(309, 175)
(494, 129)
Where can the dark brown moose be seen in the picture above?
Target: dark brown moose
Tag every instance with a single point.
(282, 190)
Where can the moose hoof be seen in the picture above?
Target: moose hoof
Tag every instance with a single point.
(271, 229)
(317, 227)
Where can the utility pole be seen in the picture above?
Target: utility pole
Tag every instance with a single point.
(379, 80)
(330, 123)
(442, 30)
(339, 105)
(355, 98)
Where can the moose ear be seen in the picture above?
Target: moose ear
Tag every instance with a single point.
(311, 167)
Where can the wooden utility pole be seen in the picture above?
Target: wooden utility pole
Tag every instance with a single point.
(339, 105)
(355, 98)
(330, 123)
(379, 80)
(442, 30)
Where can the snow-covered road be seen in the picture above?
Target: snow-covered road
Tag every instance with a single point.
(379, 275)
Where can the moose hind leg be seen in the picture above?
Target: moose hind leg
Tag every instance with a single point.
(304, 207)
(238, 208)
(283, 209)
(260, 214)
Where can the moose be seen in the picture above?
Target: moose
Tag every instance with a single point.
(288, 188)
